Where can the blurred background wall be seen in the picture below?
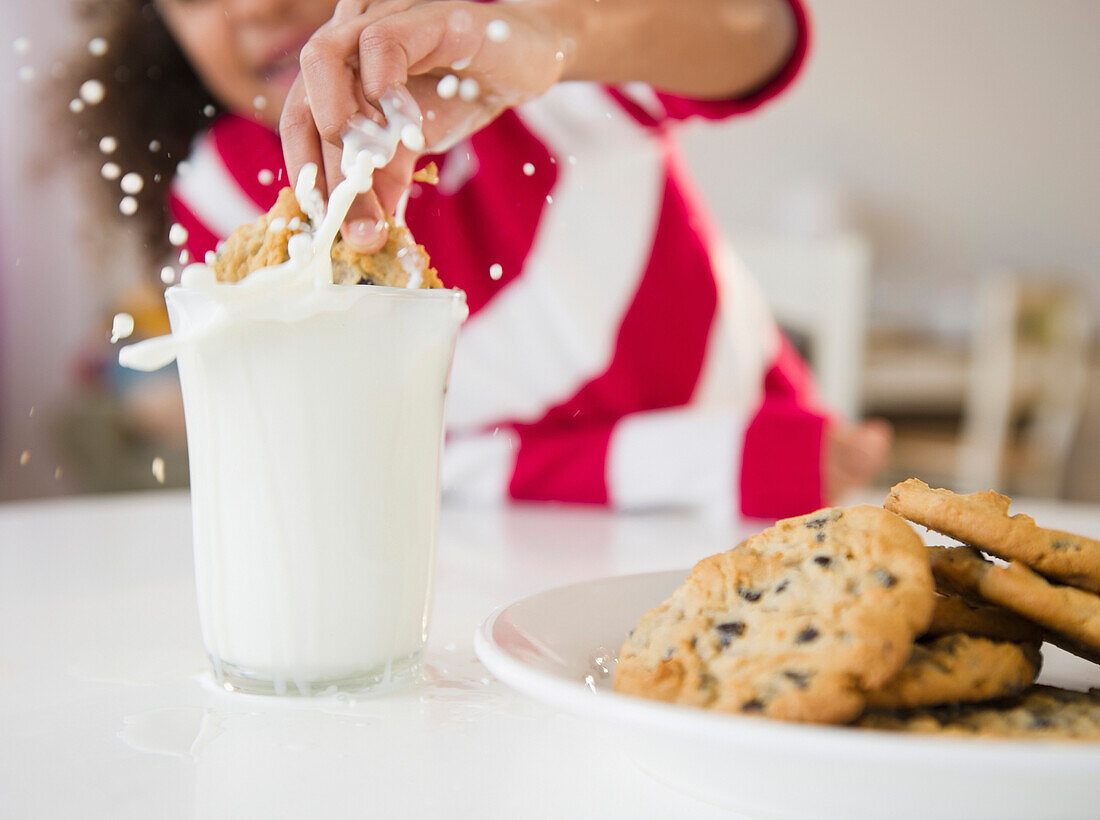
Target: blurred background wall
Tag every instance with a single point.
(956, 139)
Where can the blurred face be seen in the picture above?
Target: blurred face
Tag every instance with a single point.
(246, 51)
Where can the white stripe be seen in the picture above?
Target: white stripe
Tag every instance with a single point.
(554, 328)
(209, 190)
(479, 467)
(743, 339)
(679, 457)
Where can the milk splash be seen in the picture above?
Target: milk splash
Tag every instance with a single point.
(297, 288)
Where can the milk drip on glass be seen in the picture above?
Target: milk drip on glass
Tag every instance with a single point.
(314, 427)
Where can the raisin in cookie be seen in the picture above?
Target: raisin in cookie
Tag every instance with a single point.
(957, 613)
(982, 520)
(1070, 613)
(1040, 713)
(795, 623)
(957, 669)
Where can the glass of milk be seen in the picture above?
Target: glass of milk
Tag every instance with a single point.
(314, 442)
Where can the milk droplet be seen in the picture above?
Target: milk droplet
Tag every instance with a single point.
(76, 106)
(177, 234)
(184, 168)
(498, 31)
(21, 45)
(429, 114)
(25, 73)
(31, 413)
(210, 258)
(158, 469)
(57, 474)
(108, 145)
(154, 146)
(97, 46)
(24, 457)
(259, 102)
(458, 65)
(209, 110)
(92, 92)
(559, 56)
(468, 89)
(128, 206)
(185, 257)
(495, 271)
(528, 168)
(572, 159)
(168, 274)
(549, 199)
(265, 177)
(110, 170)
(447, 86)
(121, 326)
(412, 137)
(132, 183)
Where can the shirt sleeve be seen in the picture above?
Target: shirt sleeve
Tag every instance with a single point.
(784, 451)
(655, 107)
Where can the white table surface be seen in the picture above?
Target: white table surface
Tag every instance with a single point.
(107, 708)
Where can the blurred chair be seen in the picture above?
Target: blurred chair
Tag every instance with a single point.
(818, 290)
(1029, 370)
(1017, 387)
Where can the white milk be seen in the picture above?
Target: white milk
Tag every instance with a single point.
(314, 428)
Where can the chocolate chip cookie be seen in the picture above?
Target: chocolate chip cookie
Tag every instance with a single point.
(957, 669)
(796, 623)
(956, 613)
(982, 520)
(1069, 613)
(1040, 713)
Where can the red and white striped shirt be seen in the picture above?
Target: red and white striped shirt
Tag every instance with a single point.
(623, 357)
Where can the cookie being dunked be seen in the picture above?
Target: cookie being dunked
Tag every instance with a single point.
(796, 623)
(263, 243)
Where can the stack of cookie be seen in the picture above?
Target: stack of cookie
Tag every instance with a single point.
(840, 615)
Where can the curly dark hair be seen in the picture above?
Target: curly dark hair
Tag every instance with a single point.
(154, 106)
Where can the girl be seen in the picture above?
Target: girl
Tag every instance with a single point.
(615, 353)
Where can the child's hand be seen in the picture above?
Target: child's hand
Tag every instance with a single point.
(503, 56)
(856, 453)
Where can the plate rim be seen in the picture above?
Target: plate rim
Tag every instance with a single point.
(688, 722)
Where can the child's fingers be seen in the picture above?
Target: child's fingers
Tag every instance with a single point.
(364, 226)
(301, 142)
(418, 40)
(391, 182)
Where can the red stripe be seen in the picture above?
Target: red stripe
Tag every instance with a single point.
(493, 218)
(246, 148)
(650, 368)
(562, 465)
(200, 238)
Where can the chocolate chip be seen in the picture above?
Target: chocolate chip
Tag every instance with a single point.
(820, 521)
(806, 635)
(820, 538)
(749, 594)
(800, 679)
(1041, 722)
(1062, 544)
(734, 629)
(668, 653)
(883, 577)
(782, 586)
(753, 706)
(823, 560)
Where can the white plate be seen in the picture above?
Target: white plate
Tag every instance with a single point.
(550, 645)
